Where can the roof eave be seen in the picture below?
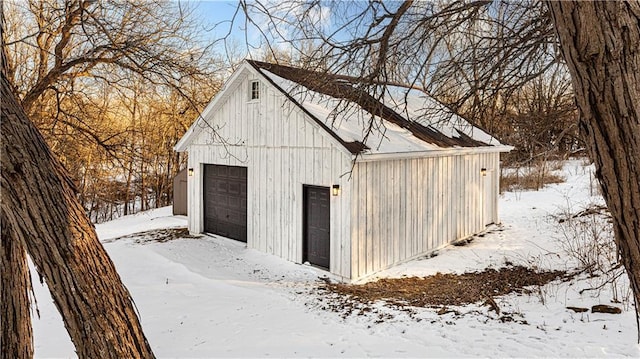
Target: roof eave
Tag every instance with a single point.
(455, 151)
(182, 144)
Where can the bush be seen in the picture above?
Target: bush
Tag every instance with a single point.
(587, 237)
(530, 178)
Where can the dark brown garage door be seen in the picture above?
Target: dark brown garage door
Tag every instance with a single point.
(316, 248)
(225, 201)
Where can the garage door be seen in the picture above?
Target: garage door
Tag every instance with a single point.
(225, 201)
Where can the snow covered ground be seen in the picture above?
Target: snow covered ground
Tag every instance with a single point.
(211, 297)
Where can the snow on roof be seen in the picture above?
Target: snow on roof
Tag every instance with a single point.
(403, 120)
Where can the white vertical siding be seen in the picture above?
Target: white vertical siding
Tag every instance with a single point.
(408, 207)
(283, 151)
(388, 211)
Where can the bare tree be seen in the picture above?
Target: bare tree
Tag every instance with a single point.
(41, 213)
(16, 334)
(601, 44)
(540, 119)
(41, 216)
(16, 338)
(475, 54)
(471, 56)
(59, 43)
(75, 65)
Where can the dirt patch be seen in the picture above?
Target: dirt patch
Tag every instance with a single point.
(445, 289)
(156, 235)
(589, 211)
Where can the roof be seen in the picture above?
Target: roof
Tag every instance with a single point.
(396, 121)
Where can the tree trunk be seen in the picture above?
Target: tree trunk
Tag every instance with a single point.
(16, 338)
(41, 210)
(127, 193)
(601, 44)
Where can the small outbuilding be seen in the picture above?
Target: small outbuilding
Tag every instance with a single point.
(285, 160)
(180, 193)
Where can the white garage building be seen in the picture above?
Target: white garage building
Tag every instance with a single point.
(281, 160)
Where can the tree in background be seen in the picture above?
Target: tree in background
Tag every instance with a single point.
(541, 118)
(76, 65)
(490, 61)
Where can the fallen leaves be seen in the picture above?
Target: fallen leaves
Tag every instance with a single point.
(446, 289)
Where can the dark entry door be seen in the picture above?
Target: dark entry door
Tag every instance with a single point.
(316, 248)
(225, 201)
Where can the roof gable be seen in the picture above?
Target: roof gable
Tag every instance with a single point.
(244, 71)
(200, 121)
(402, 122)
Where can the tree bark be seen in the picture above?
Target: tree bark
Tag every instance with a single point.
(40, 209)
(16, 338)
(600, 42)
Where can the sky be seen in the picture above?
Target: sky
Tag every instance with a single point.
(216, 17)
(215, 11)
